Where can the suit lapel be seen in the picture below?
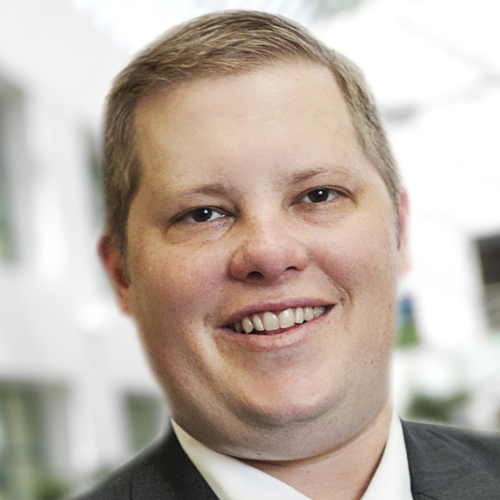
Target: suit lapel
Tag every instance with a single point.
(445, 464)
(449, 464)
(168, 474)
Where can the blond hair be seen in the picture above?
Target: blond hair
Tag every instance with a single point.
(215, 45)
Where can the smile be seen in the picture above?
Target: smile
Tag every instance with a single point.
(268, 321)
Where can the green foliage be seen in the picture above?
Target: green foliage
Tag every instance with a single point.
(424, 407)
(406, 336)
(50, 487)
(406, 333)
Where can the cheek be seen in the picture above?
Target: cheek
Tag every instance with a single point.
(363, 265)
(174, 295)
(361, 259)
(177, 286)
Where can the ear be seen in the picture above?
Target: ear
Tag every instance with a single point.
(403, 216)
(114, 263)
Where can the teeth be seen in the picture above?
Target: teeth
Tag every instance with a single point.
(270, 321)
(318, 311)
(257, 323)
(299, 315)
(308, 313)
(286, 318)
(247, 325)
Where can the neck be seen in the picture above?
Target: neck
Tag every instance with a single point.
(343, 473)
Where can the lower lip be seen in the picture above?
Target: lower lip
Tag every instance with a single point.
(277, 340)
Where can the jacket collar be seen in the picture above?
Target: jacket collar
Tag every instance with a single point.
(451, 464)
(168, 474)
(445, 464)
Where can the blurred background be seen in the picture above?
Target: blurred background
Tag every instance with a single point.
(76, 397)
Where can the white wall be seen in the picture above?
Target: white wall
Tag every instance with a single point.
(59, 325)
(437, 62)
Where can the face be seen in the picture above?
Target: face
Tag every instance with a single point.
(258, 210)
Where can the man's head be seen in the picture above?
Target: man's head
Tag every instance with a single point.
(257, 202)
(213, 46)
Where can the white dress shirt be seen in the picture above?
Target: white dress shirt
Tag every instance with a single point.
(232, 479)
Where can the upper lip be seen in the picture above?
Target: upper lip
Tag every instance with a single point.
(273, 306)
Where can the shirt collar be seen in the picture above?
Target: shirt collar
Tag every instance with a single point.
(232, 479)
(391, 480)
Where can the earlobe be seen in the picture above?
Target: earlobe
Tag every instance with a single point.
(114, 264)
(403, 219)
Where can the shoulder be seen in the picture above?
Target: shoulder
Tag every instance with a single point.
(163, 472)
(448, 434)
(438, 439)
(452, 461)
(120, 484)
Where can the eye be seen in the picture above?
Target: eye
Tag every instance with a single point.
(203, 214)
(319, 195)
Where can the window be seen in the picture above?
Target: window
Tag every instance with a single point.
(146, 417)
(328, 7)
(7, 245)
(25, 471)
(13, 172)
(315, 8)
(94, 163)
(489, 255)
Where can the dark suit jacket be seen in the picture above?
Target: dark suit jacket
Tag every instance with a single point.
(445, 464)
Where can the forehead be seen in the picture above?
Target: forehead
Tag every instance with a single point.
(281, 115)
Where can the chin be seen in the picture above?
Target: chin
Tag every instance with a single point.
(284, 431)
(282, 411)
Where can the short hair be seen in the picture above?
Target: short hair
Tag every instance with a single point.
(216, 45)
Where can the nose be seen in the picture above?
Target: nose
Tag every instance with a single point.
(268, 250)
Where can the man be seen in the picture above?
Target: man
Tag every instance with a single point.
(257, 231)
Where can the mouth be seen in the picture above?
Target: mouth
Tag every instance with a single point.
(273, 322)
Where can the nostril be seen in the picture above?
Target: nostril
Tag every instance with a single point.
(255, 275)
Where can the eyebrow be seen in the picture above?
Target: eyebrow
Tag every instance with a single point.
(219, 189)
(213, 189)
(313, 172)
(308, 174)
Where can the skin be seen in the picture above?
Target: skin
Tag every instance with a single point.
(255, 149)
